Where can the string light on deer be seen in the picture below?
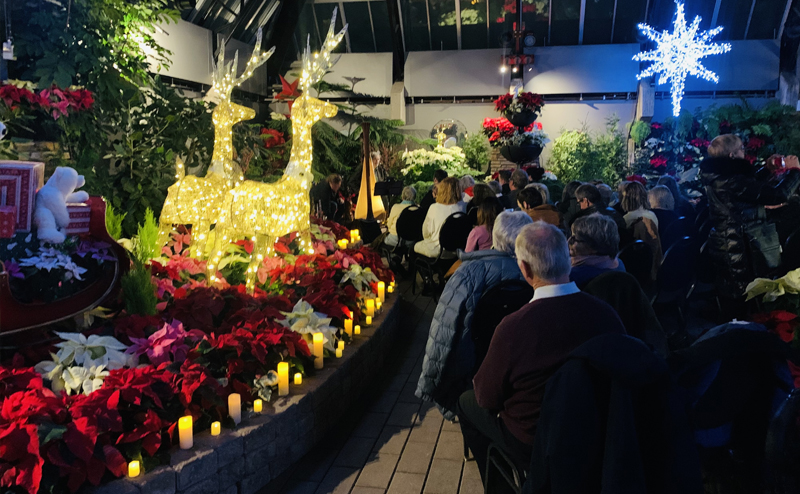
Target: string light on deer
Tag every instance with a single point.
(197, 201)
(263, 211)
(678, 55)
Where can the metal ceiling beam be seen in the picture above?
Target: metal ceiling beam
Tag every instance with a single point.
(428, 13)
(715, 15)
(785, 16)
(549, 20)
(285, 24)
(398, 41)
(613, 21)
(749, 18)
(488, 29)
(344, 22)
(458, 23)
(372, 28)
(581, 22)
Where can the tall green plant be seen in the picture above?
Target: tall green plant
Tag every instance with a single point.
(114, 222)
(579, 155)
(477, 150)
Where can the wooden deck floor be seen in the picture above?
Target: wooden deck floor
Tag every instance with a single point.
(391, 442)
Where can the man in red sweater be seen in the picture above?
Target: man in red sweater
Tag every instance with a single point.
(528, 347)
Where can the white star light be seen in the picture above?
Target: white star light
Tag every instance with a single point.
(678, 54)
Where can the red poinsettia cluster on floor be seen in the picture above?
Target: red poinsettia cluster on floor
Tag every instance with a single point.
(60, 102)
(203, 344)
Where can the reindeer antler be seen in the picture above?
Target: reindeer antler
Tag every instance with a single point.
(224, 76)
(315, 66)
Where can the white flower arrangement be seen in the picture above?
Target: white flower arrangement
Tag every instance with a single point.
(360, 278)
(305, 321)
(83, 379)
(452, 160)
(50, 258)
(93, 351)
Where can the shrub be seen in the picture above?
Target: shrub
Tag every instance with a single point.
(476, 151)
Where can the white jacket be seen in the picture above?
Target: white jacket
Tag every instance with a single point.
(437, 214)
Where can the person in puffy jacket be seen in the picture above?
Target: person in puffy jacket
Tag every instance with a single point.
(449, 363)
(737, 195)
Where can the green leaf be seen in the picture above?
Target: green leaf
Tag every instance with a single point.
(48, 431)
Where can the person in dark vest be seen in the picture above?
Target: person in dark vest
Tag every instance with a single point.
(325, 197)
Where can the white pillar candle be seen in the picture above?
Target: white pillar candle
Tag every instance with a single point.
(258, 405)
(235, 407)
(348, 327)
(370, 307)
(391, 289)
(133, 468)
(338, 353)
(382, 291)
(318, 340)
(298, 379)
(283, 379)
(357, 329)
(215, 428)
(369, 321)
(185, 432)
(340, 344)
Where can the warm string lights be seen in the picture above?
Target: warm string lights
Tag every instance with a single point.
(679, 53)
(197, 201)
(263, 211)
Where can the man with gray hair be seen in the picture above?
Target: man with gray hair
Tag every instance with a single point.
(528, 347)
(449, 363)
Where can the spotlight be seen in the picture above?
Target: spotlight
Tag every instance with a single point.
(514, 69)
(503, 69)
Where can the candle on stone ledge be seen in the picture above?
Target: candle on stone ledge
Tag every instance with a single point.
(133, 468)
(357, 330)
(369, 321)
(370, 307)
(378, 305)
(215, 428)
(235, 407)
(342, 243)
(338, 353)
(283, 379)
(258, 405)
(298, 379)
(340, 344)
(348, 327)
(318, 341)
(185, 432)
(382, 291)
(390, 288)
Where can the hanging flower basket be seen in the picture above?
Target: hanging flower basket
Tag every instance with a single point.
(521, 119)
(521, 154)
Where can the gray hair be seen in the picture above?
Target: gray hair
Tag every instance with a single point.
(595, 234)
(543, 190)
(660, 197)
(545, 249)
(466, 182)
(496, 187)
(506, 229)
(409, 193)
(606, 193)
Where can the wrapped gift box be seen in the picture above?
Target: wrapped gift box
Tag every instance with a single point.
(8, 221)
(79, 216)
(19, 181)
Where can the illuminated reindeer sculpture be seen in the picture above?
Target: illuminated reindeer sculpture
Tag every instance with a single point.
(263, 211)
(197, 200)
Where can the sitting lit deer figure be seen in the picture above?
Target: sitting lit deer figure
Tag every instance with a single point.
(197, 200)
(268, 211)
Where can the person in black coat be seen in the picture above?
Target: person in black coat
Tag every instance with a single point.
(662, 204)
(325, 197)
(590, 201)
(430, 198)
(737, 196)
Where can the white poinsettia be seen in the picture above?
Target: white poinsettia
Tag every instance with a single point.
(83, 379)
(53, 371)
(360, 278)
(305, 321)
(50, 258)
(92, 351)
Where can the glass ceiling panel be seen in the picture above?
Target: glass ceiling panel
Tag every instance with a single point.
(629, 14)
(443, 24)
(733, 17)
(361, 40)
(473, 24)
(535, 17)
(415, 25)
(502, 16)
(564, 26)
(597, 22)
(383, 30)
(324, 13)
(306, 27)
(767, 18)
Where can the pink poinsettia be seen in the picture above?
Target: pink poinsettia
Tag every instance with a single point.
(188, 264)
(168, 344)
(344, 259)
(269, 265)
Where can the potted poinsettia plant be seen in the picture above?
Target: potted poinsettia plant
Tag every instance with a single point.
(518, 145)
(521, 110)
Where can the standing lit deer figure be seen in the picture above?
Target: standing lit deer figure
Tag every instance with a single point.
(268, 211)
(197, 200)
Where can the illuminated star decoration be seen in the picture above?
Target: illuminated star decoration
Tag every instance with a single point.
(679, 53)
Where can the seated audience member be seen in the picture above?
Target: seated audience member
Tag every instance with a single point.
(634, 203)
(606, 193)
(662, 205)
(480, 192)
(593, 248)
(543, 190)
(531, 202)
(590, 201)
(449, 363)
(466, 183)
(496, 188)
(528, 347)
(325, 196)
(504, 177)
(568, 206)
(430, 198)
(682, 205)
(519, 180)
(408, 196)
(448, 201)
(480, 238)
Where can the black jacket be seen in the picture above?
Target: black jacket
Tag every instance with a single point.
(325, 199)
(625, 236)
(612, 422)
(737, 195)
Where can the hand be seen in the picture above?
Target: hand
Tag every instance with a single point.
(433, 190)
(792, 162)
(777, 206)
(775, 162)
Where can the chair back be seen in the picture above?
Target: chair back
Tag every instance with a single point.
(682, 227)
(409, 223)
(455, 232)
(705, 265)
(638, 260)
(783, 448)
(494, 305)
(703, 215)
(791, 252)
(677, 270)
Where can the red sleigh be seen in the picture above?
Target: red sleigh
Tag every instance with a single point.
(18, 319)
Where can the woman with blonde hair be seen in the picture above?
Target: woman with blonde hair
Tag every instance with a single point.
(741, 242)
(635, 204)
(448, 201)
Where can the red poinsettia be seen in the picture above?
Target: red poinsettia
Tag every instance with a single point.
(272, 138)
(699, 143)
(658, 162)
(782, 322)
(755, 143)
(636, 178)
